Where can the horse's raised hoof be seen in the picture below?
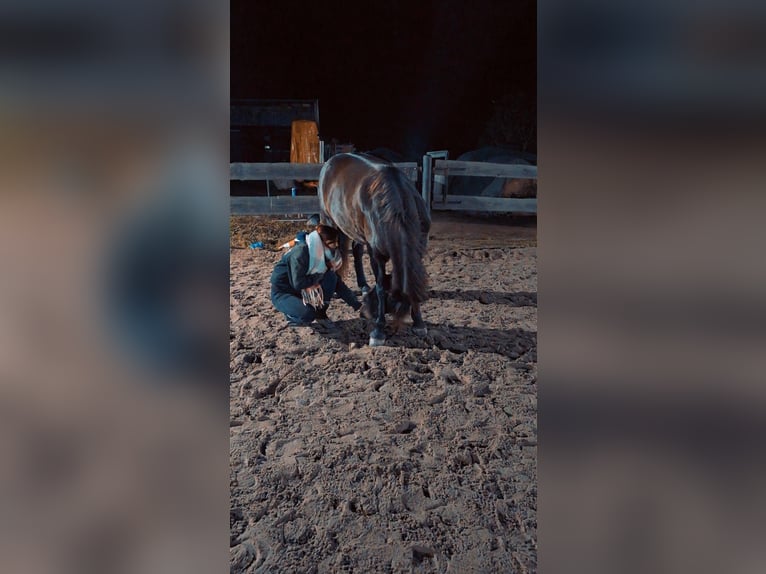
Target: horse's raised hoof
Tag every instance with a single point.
(420, 331)
(376, 342)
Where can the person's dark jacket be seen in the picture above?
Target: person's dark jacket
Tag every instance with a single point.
(290, 274)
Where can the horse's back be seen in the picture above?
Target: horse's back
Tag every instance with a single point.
(343, 169)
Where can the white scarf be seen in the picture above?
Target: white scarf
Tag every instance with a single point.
(317, 262)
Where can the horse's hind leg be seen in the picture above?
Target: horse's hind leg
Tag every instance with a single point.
(376, 267)
(378, 335)
(418, 325)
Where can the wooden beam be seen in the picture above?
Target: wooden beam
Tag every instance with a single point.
(302, 171)
(261, 171)
(496, 204)
(282, 204)
(472, 168)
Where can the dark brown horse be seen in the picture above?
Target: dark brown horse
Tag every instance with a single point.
(372, 202)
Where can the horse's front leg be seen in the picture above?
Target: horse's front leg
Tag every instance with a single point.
(418, 325)
(378, 335)
(343, 243)
(361, 281)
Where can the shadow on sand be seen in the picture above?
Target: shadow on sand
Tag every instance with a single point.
(510, 343)
(519, 299)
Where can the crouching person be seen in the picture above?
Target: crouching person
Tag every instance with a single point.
(303, 281)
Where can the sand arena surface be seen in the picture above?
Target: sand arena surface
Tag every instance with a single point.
(419, 456)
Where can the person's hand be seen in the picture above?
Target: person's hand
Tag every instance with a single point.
(313, 296)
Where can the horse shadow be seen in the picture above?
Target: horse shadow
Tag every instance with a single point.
(518, 299)
(512, 343)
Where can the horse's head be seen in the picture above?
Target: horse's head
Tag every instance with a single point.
(395, 305)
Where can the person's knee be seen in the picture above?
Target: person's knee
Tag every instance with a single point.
(292, 307)
(298, 313)
(305, 315)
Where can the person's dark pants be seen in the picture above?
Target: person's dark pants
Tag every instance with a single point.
(292, 305)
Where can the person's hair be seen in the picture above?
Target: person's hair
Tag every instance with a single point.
(327, 233)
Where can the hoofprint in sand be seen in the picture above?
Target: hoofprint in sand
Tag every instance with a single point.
(416, 456)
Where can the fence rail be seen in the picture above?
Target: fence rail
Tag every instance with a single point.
(480, 169)
(276, 204)
(481, 203)
(264, 171)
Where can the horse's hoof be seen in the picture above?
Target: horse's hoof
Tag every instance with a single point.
(376, 342)
(420, 331)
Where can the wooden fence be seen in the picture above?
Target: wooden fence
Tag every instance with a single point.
(285, 204)
(437, 190)
(434, 186)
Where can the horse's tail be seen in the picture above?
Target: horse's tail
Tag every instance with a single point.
(406, 249)
(409, 283)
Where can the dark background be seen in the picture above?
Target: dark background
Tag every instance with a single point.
(409, 76)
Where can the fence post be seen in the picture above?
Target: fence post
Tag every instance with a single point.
(434, 155)
(427, 180)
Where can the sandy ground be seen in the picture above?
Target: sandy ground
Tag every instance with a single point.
(419, 456)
